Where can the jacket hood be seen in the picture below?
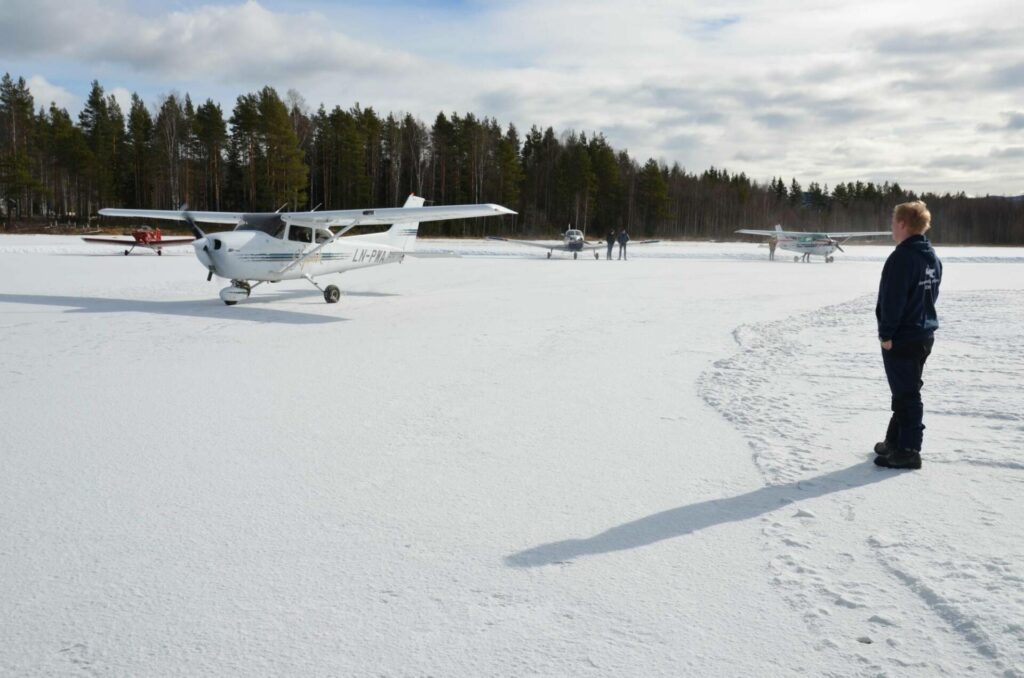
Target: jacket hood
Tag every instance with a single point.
(918, 242)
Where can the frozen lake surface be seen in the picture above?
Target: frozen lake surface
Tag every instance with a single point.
(500, 465)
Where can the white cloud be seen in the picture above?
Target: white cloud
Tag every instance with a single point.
(44, 93)
(123, 98)
(756, 86)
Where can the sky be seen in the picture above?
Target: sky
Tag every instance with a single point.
(928, 94)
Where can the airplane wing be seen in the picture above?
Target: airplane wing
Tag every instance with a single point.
(112, 241)
(753, 231)
(800, 234)
(551, 245)
(170, 242)
(394, 215)
(859, 234)
(166, 242)
(329, 218)
(631, 242)
(175, 215)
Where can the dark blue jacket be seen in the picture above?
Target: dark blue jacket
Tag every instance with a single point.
(623, 238)
(907, 292)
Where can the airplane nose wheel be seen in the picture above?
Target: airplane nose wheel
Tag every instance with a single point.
(238, 291)
(549, 254)
(332, 294)
(596, 255)
(575, 255)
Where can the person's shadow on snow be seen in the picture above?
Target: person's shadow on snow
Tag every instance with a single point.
(686, 519)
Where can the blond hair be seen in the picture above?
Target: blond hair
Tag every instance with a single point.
(915, 215)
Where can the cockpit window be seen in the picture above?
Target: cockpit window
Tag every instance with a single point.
(322, 235)
(271, 224)
(300, 234)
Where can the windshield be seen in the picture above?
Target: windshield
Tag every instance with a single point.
(271, 224)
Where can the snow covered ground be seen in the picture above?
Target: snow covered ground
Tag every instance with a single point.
(499, 465)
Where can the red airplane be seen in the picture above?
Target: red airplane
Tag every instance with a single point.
(147, 237)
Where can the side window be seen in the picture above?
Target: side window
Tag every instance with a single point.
(322, 235)
(300, 234)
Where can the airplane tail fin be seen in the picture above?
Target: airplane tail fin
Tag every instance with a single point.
(404, 234)
(401, 235)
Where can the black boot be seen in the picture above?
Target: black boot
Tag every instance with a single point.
(884, 448)
(905, 458)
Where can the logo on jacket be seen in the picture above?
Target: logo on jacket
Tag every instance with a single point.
(929, 278)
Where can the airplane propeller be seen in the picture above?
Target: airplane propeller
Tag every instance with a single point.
(199, 235)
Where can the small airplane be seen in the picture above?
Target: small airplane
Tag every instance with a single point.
(150, 238)
(572, 241)
(274, 246)
(821, 244)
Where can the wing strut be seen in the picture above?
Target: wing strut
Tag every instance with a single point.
(325, 243)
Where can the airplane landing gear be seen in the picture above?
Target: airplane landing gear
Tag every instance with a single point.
(596, 255)
(126, 253)
(238, 291)
(796, 259)
(549, 254)
(575, 255)
(829, 260)
(159, 253)
(331, 292)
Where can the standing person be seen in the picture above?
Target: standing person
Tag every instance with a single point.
(906, 324)
(610, 239)
(773, 242)
(623, 239)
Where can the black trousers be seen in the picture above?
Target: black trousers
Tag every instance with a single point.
(904, 364)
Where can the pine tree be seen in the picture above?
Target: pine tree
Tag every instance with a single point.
(139, 141)
(211, 137)
(285, 170)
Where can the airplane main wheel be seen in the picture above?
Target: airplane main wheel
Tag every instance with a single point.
(229, 303)
(596, 255)
(575, 255)
(796, 259)
(549, 255)
(159, 253)
(332, 294)
(126, 253)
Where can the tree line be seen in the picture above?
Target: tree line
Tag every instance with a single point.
(272, 152)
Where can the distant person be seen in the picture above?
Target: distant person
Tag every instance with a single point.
(906, 324)
(622, 239)
(773, 242)
(610, 239)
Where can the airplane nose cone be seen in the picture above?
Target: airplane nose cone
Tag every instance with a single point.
(200, 246)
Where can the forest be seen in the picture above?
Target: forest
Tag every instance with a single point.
(271, 152)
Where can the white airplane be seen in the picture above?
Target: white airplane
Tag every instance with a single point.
(821, 244)
(572, 241)
(275, 246)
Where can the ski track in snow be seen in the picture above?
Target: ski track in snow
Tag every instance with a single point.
(912, 589)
